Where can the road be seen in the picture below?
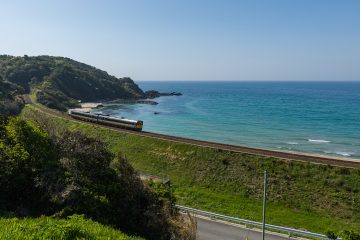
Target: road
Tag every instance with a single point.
(209, 229)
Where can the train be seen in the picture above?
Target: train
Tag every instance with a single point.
(108, 120)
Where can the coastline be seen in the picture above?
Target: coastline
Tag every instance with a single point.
(307, 117)
(148, 96)
(296, 122)
(330, 155)
(289, 155)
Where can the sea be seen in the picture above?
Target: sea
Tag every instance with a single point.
(309, 117)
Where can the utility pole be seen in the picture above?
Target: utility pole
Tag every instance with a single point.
(264, 206)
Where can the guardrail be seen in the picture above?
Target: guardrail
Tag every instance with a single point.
(253, 223)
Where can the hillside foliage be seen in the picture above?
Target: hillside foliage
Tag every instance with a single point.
(61, 173)
(71, 228)
(62, 82)
(10, 102)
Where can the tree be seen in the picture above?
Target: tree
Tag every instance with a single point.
(25, 153)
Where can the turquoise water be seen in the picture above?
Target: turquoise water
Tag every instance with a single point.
(312, 117)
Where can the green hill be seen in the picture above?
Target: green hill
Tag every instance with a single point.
(62, 82)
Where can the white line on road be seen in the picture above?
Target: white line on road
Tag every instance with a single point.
(214, 229)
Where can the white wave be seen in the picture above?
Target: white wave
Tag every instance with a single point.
(292, 143)
(341, 153)
(345, 154)
(318, 141)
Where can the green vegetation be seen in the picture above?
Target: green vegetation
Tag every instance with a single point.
(60, 173)
(301, 195)
(10, 102)
(350, 235)
(346, 235)
(61, 82)
(75, 227)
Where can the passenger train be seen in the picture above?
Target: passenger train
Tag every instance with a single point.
(106, 120)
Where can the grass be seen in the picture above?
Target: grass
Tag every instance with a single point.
(75, 227)
(300, 194)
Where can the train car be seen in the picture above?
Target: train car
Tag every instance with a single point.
(106, 120)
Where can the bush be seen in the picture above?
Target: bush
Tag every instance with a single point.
(68, 173)
(331, 235)
(10, 102)
(350, 235)
(25, 153)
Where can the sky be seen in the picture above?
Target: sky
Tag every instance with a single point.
(191, 39)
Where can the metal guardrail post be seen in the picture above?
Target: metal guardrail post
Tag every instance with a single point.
(264, 206)
(253, 223)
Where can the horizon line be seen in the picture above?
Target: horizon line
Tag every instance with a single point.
(225, 80)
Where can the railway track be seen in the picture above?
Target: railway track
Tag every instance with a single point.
(240, 149)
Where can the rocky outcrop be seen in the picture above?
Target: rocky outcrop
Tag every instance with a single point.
(155, 94)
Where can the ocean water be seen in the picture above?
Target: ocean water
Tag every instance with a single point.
(311, 117)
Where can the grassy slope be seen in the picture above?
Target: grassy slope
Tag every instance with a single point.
(301, 195)
(76, 227)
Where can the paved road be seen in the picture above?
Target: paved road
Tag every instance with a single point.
(218, 230)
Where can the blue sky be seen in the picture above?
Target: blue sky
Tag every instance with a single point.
(192, 39)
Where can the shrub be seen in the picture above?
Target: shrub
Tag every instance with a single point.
(69, 173)
(25, 153)
(350, 235)
(331, 235)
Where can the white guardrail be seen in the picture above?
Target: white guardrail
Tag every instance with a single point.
(248, 222)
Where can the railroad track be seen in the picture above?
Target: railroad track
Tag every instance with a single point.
(240, 149)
